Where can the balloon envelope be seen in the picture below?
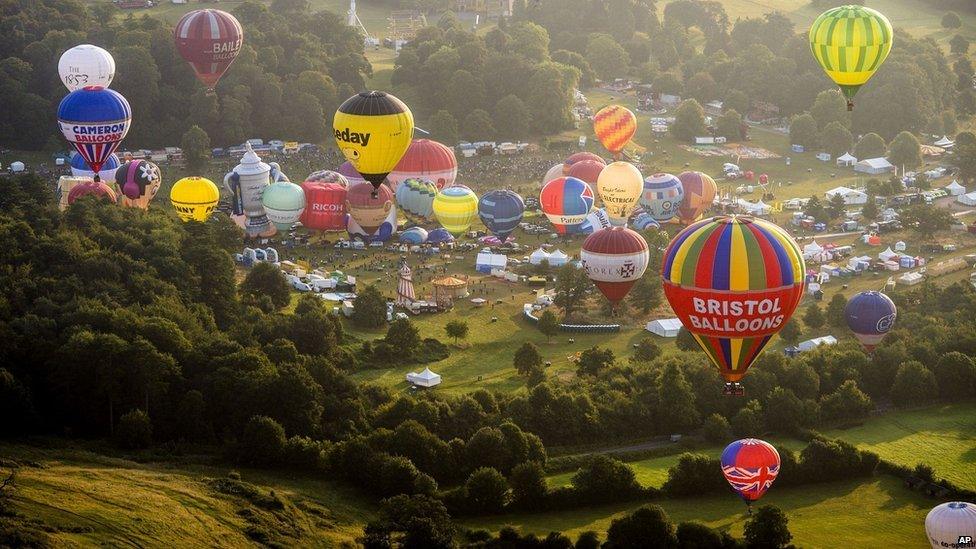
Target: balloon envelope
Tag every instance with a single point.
(415, 197)
(79, 167)
(325, 205)
(425, 159)
(284, 202)
(194, 198)
(455, 208)
(329, 176)
(620, 186)
(576, 158)
(644, 222)
(414, 235)
(501, 212)
(870, 315)
(94, 120)
(698, 190)
(92, 188)
(595, 220)
(614, 126)
(439, 235)
(209, 40)
(373, 130)
(86, 65)
(587, 170)
(349, 172)
(850, 43)
(662, 196)
(139, 181)
(554, 172)
(750, 466)
(566, 201)
(614, 259)
(369, 207)
(734, 282)
(951, 524)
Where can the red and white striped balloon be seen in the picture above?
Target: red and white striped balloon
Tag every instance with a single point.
(614, 259)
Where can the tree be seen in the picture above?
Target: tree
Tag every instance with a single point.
(443, 126)
(603, 478)
(964, 156)
(478, 125)
(702, 87)
(689, 121)
(951, 20)
(914, 385)
(696, 535)
(847, 402)
(737, 100)
(716, 429)
(457, 329)
(512, 117)
(836, 206)
(528, 482)
(487, 490)
(676, 401)
(790, 332)
(748, 421)
(905, 151)
(548, 324)
(572, 285)
(686, 341)
(646, 351)
(816, 209)
(587, 540)
(422, 519)
(803, 131)
(527, 358)
(196, 147)
(836, 139)
(16, 408)
(262, 443)
(647, 527)
(404, 337)
(784, 411)
(835, 311)
(870, 209)
(370, 308)
(134, 431)
(813, 317)
(959, 45)
(668, 82)
(767, 528)
(729, 125)
(646, 294)
(608, 58)
(594, 360)
(265, 279)
(830, 106)
(926, 219)
(956, 375)
(530, 41)
(870, 145)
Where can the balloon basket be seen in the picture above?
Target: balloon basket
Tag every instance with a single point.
(733, 389)
(850, 105)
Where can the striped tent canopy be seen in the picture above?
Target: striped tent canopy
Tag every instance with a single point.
(850, 43)
(734, 281)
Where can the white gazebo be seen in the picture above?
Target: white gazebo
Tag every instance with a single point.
(846, 160)
(945, 142)
(425, 378)
(812, 248)
(887, 254)
(955, 189)
(558, 258)
(900, 246)
(538, 256)
(664, 327)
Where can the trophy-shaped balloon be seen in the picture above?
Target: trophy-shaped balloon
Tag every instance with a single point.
(246, 184)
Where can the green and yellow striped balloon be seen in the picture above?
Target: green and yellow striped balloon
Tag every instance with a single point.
(455, 208)
(850, 43)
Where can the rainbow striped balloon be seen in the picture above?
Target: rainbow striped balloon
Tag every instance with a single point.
(455, 208)
(734, 281)
(614, 126)
(850, 43)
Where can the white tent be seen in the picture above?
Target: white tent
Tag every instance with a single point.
(910, 279)
(17, 166)
(945, 142)
(664, 327)
(538, 256)
(812, 248)
(850, 196)
(955, 189)
(874, 166)
(816, 342)
(425, 378)
(757, 208)
(887, 254)
(900, 246)
(968, 199)
(846, 159)
(558, 258)
(487, 262)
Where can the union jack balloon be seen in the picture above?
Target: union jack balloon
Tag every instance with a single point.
(95, 120)
(750, 466)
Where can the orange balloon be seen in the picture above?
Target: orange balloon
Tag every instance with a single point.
(614, 126)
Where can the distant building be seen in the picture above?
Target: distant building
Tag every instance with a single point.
(490, 7)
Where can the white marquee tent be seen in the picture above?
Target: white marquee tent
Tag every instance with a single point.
(558, 258)
(846, 159)
(955, 189)
(850, 196)
(968, 199)
(664, 327)
(425, 378)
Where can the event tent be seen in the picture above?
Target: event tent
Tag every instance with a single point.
(874, 166)
(887, 254)
(945, 142)
(955, 189)
(664, 327)
(968, 199)
(850, 196)
(486, 262)
(816, 342)
(426, 378)
(558, 258)
(846, 160)
(538, 256)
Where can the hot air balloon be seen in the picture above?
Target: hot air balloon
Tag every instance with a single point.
(576, 158)
(566, 201)
(951, 524)
(350, 173)
(644, 222)
(329, 176)
(554, 172)
(92, 188)
(325, 205)
(614, 259)
(86, 65)
(699, 192)
(414, 235)
(662, 196)
(620, 186)
(850, 43)
(194, 198)
(595, 220)
(455, 208)
(750, 466)
(501, 212)
(614, 126)
(371, 211)
(870, 315)
(438, 236)
(373, 130)
(284, 202)
(587, 170)
(425, 159)
(209, 40)
(415, 197)
(94, 120)
(139, 181)
(734, 282)
(79, 167)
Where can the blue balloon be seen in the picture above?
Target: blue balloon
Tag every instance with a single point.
(501, 212)
(646, 222)
(438, 236)
(870, 315)
(94, 120)
(79, 168)
(414, 235)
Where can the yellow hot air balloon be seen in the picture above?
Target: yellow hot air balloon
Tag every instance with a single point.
(373, 130)
(619, 185)
(850, 43)
(194, 198)
(455, 208)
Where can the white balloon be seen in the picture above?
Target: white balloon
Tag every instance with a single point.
(554, 172)
(951, 524)
(86, 65)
